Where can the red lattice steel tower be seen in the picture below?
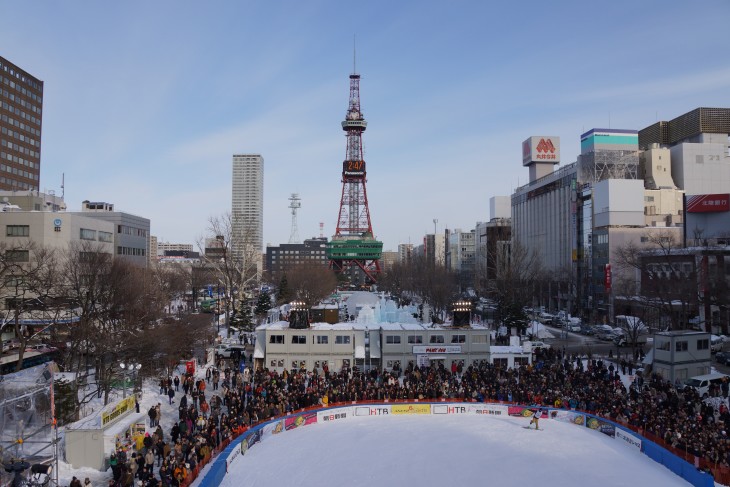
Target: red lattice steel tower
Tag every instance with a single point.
(353, 245)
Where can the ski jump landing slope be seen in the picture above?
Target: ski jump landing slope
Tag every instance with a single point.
(430, 450)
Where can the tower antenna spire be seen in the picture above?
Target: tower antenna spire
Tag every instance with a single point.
(354, 53)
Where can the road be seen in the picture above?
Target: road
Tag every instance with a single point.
(582, 344)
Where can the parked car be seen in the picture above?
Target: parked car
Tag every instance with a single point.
(723, 358)
(702, 383)
(537, 345)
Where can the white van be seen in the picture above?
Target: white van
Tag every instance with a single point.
(702, 383)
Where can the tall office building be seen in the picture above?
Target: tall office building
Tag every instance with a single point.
(247, 208)
(21, 108)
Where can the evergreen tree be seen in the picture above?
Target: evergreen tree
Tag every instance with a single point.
(243, 320)
(263, 304)
(284, 295)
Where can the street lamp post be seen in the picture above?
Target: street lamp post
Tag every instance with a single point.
(130, 370)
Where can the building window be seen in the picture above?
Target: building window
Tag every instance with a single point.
(703, 344)
(680, 346)
(299, 339)
(17, 230)
(392, 339)
(106, 237)
(521, 361)
(276, 339)
(501, 363)
(479, 339)
(343, 339)
(436, 339)
(17, 255)
(322, 339)
(87, 234)
(458, 339)
(415, 339)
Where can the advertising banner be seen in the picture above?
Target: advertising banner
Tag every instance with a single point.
(488, 409)
(303, 419)
(380, 410)
(250, 441)
(568, 417)
(273, 428)
(520, 411)
(421, 349)
(118, 411)
(599, 425)
(453, 408)
(708, 203)
(334, 415)
(411, 409)
(629, 439)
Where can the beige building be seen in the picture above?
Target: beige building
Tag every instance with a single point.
(382, 346)
(56, 230)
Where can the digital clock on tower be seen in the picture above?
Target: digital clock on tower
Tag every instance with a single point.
(353, 168)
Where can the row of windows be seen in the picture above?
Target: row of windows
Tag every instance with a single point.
(19, 160)
(17, 86)
(302, 339)
(296, 252)
(683, 345)
(21, 113)
(18, 172)
(20, 125)
(127, 230)
(16, 255)
(302, 364)
(17, 230)
(15, 98)
(21, 77)
(131, 251)
(20, 137)
(20, 148)
(17, 185)
(416, 339)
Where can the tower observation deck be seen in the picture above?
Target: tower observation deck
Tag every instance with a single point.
(353, 250)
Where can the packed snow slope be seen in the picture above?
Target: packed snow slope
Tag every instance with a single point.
(444, 450)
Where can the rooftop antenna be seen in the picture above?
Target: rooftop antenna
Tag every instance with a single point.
(294, 205)
(63, 184)
(321, 229)
(354, 53)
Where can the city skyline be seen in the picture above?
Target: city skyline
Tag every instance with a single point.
(144, 107)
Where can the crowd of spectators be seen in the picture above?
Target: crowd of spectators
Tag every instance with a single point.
(678, 416)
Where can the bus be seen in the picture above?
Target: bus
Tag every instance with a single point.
(210, 305)
(31, 358)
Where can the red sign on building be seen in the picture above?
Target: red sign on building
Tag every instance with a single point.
(607, 278)
(708, 203)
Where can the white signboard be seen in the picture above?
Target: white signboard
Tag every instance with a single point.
(425, 349)
(541, 149)
(628, 439)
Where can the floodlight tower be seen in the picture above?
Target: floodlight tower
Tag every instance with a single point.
(294, 205)
(353, 249)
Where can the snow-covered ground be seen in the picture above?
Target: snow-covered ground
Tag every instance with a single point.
(432, 450)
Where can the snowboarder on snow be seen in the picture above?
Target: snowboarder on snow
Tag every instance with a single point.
(536, 419)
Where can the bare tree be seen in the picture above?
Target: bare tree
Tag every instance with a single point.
(516, 269)
(235, 259)
(665, 285)
(311, 283)
(29, 277)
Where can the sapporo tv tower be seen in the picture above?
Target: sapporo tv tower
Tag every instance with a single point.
(353, 251)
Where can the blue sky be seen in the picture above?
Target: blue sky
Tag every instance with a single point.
(145, 102)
